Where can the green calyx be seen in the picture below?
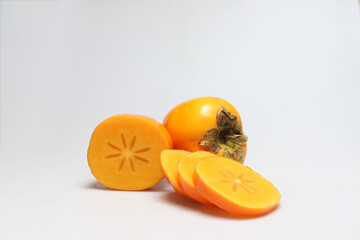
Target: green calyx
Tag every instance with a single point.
(228, 137)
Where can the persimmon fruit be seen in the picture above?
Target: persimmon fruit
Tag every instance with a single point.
(124, 152)
(234, 187)
(169, 163)
(186, 170)
(208, 123)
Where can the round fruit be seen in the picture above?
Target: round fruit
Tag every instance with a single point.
(235, 187)
(208, 123)
(124, 152)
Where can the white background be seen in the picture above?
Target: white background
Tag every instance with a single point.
(291, 68)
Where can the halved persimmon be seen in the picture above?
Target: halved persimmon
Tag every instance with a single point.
(186, 169)
(234, 187)
(208, 123)
(169, 163)
(124, 152)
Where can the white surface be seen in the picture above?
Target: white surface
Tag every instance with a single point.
(291, 68)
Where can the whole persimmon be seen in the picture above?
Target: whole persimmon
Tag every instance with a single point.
(207, 123)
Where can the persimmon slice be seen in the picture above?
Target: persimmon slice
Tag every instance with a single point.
(186, 168)
(124, 152)
(169, 163)
(234, 187)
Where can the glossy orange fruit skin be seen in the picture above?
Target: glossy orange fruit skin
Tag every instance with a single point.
(190, 120)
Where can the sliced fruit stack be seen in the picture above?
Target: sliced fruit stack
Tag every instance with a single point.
(217, 181)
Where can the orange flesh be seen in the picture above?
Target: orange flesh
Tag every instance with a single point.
(124, 152)
(186, 169)
(169, 163)
(235, 187)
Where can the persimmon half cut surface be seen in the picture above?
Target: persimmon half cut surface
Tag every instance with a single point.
(169, 163)
(235, 187)
(208, 123)
(186, 169)
(124, 152)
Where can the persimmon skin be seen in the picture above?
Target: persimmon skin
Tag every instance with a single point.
(190, 120)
